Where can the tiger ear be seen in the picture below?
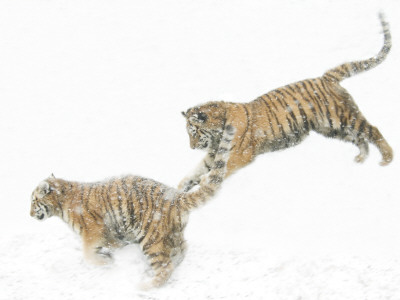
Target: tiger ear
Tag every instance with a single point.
(43, 189)
(52, 176)
(183, 114)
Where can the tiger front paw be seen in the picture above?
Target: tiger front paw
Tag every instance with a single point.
(187, 184)
(99, 257)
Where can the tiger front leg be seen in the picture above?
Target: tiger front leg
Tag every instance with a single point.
(96, 250)
(193, 178)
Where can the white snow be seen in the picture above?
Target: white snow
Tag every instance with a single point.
(93, 89)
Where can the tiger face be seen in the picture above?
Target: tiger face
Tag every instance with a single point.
(205, 125)
(43, 201)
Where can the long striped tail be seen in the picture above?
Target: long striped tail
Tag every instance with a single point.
(213, 180)
(347, 70)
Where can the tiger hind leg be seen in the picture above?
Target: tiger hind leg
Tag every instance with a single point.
(359, 141)
(376, 138)
(360, 132)
(162, 267)
(362, 144)
(178, 253)
(159, 257)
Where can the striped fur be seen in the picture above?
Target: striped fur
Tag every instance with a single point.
(129, 209)
(284, 117)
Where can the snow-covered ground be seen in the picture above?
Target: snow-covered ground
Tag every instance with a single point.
(92, 89)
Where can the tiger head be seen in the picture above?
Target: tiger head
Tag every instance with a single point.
(44, 200)
(205, 124)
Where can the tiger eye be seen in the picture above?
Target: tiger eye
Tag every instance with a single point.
(202, 117)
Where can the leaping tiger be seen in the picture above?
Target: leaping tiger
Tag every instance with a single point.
(284, 117)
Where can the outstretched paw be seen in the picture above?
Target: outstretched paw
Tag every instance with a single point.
(187, 185)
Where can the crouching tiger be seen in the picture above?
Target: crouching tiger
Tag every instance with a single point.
(129, 209)
(283, 118)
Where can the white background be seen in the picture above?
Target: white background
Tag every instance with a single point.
(94, 89)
